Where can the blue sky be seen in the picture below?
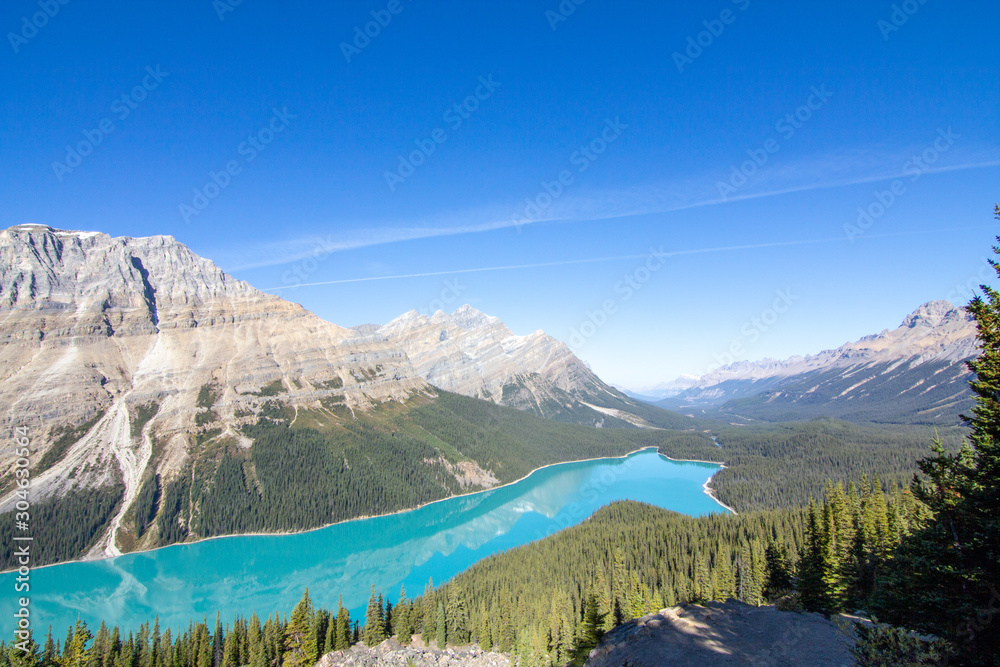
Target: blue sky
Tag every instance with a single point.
(693, 167)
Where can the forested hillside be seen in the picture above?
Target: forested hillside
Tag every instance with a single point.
(934, 392)
(310, 468)
(547, 603)
(782, 465)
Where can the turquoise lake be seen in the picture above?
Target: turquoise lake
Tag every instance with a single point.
(268, 573)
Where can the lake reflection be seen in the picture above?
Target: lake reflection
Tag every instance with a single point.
(265, 573)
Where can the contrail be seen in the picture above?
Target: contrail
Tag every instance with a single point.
(283, 257)
(615, 258)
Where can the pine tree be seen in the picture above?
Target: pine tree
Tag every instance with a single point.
(49, 656)
(619, 586)
(387, 626)
(218, 642)
(342, 640)
(154, 649)
(949, 568)
(589, 630)
(316, 639)
(22, 652)
(403, 622)
(484, 630)
(605, 606)
(101, 648)
(812, 577)
(229, 652)
(778, 572)
(702, 581)
(204, 655)
(330, 641)
(457, 624)
(75, 649)
(374, 633)
(439, 626)
(429, 631)
(296, 634)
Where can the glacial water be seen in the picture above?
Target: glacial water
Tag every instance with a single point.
(265, 573)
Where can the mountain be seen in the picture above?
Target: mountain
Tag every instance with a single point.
(473, 354)
(155, 387)
(915, 373)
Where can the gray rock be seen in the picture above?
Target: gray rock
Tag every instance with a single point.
(391, 653)
(730, 633)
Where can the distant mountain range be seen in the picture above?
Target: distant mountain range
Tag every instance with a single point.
(915, 373)
(137, 364)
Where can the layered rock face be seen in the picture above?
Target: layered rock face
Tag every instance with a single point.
(470, 353)
(98, 333)
(97, 326)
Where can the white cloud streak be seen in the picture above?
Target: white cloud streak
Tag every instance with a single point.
(607, 205)
(616, 258)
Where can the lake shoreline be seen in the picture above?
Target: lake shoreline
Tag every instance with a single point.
(705, 488)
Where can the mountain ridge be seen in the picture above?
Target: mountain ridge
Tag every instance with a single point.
(927, 350)
(135, 361)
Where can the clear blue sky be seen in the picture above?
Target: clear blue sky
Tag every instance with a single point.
(663, 131)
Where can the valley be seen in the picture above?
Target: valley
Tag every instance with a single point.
(177, 405)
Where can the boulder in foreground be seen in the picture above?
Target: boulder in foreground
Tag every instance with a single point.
(726, 633)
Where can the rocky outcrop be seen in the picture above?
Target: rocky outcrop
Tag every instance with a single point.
(391, 653)
(729, 633)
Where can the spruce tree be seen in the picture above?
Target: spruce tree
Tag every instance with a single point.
(75, 650)
(387, 627)
(403, 620)
(343, 632)
(778, 572)
(22, 652)
(218, 639)
(439, 626)
(429, 631)
(945, 579)
(49, 656)
(457, 628)
(812, 579)
(316, 639)
(330, 642)
(374, 633)
(296, 634)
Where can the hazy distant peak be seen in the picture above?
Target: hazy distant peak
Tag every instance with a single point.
(935, 331)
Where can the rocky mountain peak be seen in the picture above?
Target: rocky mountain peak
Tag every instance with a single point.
(932, 314)
(470, 318)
